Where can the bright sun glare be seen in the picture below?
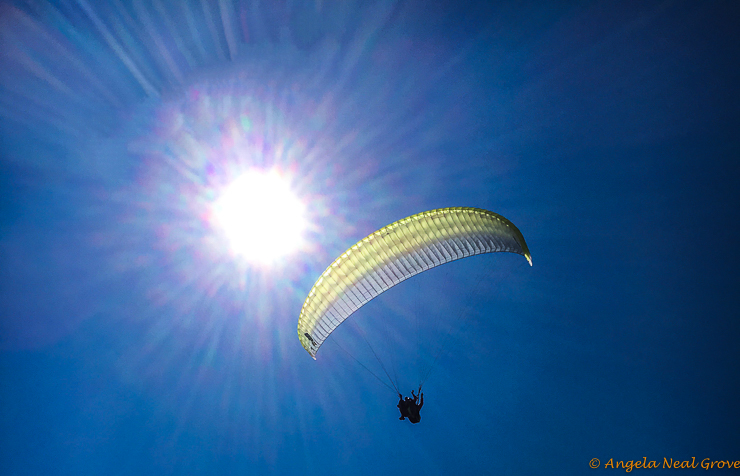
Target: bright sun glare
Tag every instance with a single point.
(261, 216)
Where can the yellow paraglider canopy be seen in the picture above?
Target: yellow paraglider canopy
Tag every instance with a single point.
(395, 253)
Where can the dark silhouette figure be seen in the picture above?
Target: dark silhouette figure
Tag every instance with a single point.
(410, 407)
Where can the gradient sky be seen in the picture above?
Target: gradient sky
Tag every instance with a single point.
(133, 341)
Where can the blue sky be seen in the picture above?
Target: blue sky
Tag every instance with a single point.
(133, 341)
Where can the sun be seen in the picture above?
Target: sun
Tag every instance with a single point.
(261, 216)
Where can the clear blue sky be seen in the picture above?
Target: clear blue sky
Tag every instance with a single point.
(133, 342)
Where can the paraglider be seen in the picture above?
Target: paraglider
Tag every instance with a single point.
(410, 407)
(393, 254)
